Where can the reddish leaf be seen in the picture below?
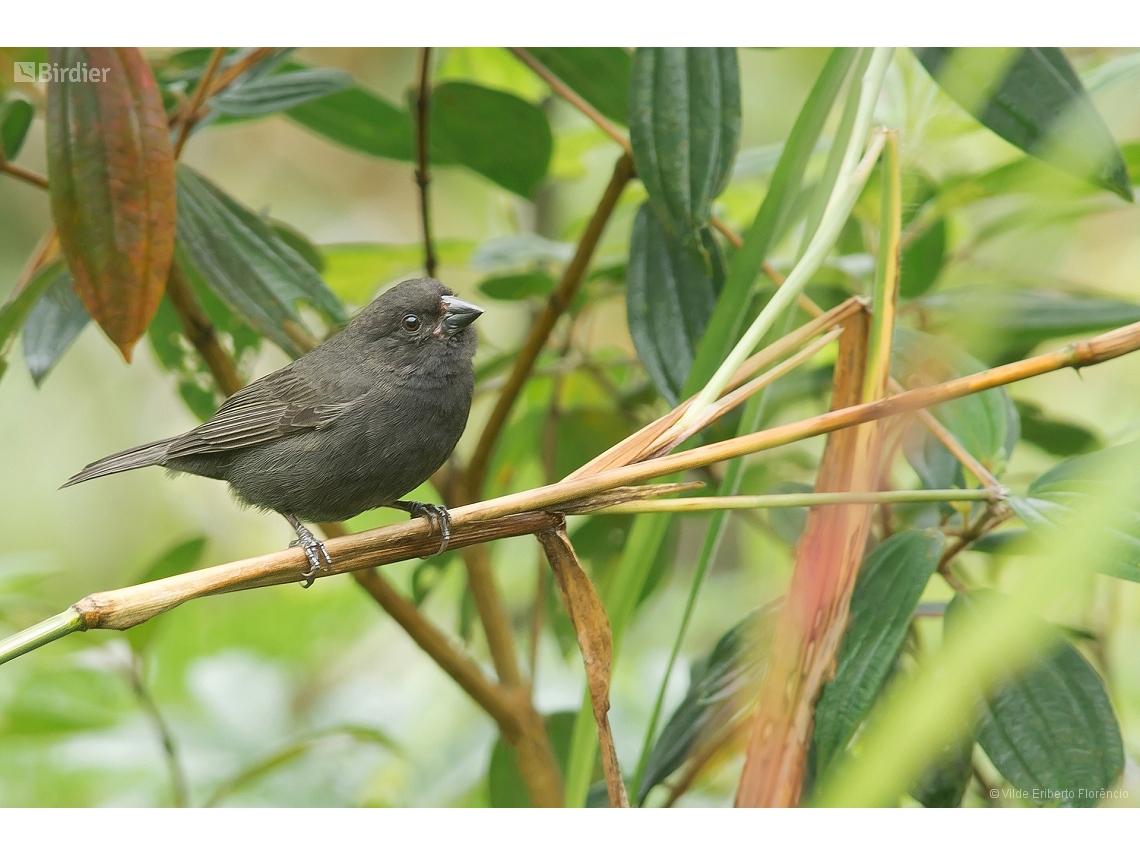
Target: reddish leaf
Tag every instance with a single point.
(111, 171)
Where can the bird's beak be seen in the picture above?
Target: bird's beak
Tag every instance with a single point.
(457, 315)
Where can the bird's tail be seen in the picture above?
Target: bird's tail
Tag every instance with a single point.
(132, 458)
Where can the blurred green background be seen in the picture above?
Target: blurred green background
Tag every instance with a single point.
(322, 680)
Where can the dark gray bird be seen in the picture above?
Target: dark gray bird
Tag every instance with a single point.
(352, 425)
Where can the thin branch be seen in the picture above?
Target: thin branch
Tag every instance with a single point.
(197, 98)
(423, 148)
(200, 332)
(180, 792)
(568, 94)
(558, 302)
(33, 178)
(798, 500)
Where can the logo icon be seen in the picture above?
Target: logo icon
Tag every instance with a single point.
(24, 72)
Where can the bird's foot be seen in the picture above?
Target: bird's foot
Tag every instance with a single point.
(314, 550)
(436, 515)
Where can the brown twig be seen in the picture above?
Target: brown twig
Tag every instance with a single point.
(179, 791)
(200, 332)
(33, 178)
(423, 130)
(557, 303)
(568, 94)
(190, 110)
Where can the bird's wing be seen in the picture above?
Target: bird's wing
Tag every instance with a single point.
(276, 406)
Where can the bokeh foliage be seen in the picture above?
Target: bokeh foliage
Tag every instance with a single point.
(295, 206)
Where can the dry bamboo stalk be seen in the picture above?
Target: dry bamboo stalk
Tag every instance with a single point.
(635, 447)
(517, 514)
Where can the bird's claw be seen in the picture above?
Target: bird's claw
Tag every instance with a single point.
(316, 553)
(436, 515)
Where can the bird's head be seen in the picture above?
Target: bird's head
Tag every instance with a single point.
(418, 320)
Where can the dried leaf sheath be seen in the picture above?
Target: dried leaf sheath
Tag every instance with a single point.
(592, 628)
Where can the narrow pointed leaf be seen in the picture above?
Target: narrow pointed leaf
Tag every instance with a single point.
(684, 126)
(725, 325)
(888, 588)
(14, 313)
(111, 171)
(55, 321)
(1033, 98)
(278, 92)
(734, 664)
(598, 74)
(1003, 323)
(670, 297)
(243, 260)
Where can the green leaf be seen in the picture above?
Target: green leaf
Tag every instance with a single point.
(1052, 499)
(360, 120)
(299, 244)
(922, 257)
(944, 782)
(493, 133)
(1059, 438)
(684, 126)
(518, 286)
(788, 523)
(196, 384)
(585, 433)
(1033, 98)
(670, 296)
(279, 92)
(1010, 322)
(1050, 729)
(258, 275)
(731, 308)
(15, 312)
(111, 175)
(599, 74)
(734, 664)
(15, 119)
(55, 321)
(357, 271)
(889, 586)
(985, 423)
(55, 702)
(504, 781)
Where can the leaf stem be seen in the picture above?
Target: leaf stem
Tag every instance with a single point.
(423, 144)
(797, 500)
(33, 178)
(189, 114)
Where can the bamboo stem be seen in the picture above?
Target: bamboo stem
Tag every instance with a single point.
(798, 500)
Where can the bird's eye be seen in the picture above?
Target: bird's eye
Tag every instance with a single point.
(411, 323)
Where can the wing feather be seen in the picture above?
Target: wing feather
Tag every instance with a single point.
(278, 405)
